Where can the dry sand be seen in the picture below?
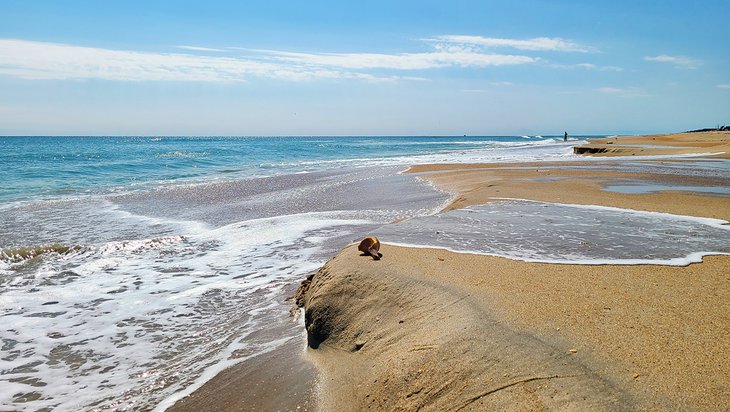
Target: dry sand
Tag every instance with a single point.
(445, 331)
(678, 143)
(435, 330)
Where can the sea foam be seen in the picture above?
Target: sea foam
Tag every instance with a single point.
(566, 233)
(170, 286)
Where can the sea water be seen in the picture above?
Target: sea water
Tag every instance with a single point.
(547, 232)
(133, 269)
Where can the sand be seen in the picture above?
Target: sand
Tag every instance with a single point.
(715, 143)
(441, 331)
(279, 380)
(435, 330)
(276, 381)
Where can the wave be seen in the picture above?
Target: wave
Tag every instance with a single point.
(182, 155)
(24, 253)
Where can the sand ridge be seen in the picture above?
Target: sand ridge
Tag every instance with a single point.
(433, 329)
(390, 338)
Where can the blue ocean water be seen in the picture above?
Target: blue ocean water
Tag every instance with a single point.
(35, 167)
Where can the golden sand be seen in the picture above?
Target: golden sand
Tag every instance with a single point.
(716, 144)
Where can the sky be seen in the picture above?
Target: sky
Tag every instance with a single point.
(128, 67)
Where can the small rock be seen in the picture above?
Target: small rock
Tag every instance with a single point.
(573, 350)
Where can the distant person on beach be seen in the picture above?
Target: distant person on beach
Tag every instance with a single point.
(565, 137)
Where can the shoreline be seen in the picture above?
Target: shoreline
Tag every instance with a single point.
(557, 315)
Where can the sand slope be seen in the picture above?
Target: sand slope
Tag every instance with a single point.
(391, 338)
(434, 330)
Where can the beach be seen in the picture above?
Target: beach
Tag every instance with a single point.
(516, 274)
(439, 330)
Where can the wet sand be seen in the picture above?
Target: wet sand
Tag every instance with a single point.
(438, 330)
(280, 380)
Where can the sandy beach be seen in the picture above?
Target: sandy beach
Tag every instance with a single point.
(716, 143)
(439, 330)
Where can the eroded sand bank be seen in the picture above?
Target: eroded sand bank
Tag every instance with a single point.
(445, 331)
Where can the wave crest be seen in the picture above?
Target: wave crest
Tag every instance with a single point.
(23, 253)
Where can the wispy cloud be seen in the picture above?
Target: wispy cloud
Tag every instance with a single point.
(403, 61)
(534, 44)
(40, 60)
(588, 66)
(37, 60)
(723, 86)
(677, 61)
(622, 92)
(204, 49)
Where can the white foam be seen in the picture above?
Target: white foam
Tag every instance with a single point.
(718, 223)
(127, 306)
(588, 235)
(493, 151)
(695, 257)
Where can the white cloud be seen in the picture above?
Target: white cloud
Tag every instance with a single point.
(534, 44)
(623, 92)
(723, 86)
(198, 48)
(588, 66)
(680, 61)
(39, 60)
(403, 61)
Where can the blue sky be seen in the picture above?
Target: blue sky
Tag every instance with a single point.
(377, 67)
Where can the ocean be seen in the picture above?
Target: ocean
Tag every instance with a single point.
(133, 269)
